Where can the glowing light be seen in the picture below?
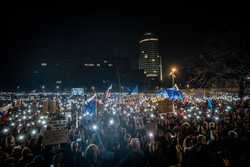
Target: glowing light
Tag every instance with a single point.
(79, 139)
(33, 132)
(148, 39)
(5, 130)
(111, 122)
(173, 69)
(21, 137)
(150, 134)
(94, 127)
(43, 122)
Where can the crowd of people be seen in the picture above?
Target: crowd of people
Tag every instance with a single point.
(130, 131)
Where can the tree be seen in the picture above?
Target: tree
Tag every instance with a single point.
(220, 66)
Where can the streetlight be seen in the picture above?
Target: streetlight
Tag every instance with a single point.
(172, 73)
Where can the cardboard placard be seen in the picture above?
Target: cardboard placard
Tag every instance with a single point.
(55, 137)
(139, 124)
(58, 124)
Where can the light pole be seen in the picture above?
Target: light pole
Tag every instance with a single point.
(172, 73)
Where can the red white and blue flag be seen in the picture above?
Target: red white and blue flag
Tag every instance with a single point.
(108, 92)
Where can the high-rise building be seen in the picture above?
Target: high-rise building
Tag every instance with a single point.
(150, 59)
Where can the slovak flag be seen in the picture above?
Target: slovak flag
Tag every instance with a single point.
(90, 105)
(108, 92)
(4, 117)
(186, 99)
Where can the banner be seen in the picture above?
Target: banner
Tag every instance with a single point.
(55, 137)
(77, 92)
(170, 94)
(139, 124)
(58, 124)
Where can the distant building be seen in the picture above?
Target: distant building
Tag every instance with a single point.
(82, 72)
(150, 60)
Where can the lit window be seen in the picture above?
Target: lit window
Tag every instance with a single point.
(98, 65)
(105, 61)
(89, 65)
(44, 64)
(153, 60)
(145, 56)
(155, 71)
(145, 72)
(148, 39)
(58, 82)
(110, 65)
(142, 51)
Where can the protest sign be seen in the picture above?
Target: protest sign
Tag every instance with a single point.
(55, 137)
(58, 124)
(139, 124)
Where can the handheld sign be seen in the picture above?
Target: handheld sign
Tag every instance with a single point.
(55, 137)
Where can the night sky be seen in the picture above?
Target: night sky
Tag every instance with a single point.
(30, 35)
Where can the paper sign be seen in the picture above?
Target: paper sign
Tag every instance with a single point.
(55, 137)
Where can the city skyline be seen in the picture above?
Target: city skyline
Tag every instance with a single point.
(58, 33)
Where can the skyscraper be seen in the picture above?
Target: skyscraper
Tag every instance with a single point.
(150, 60)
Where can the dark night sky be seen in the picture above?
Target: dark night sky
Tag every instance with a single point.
(32, 34)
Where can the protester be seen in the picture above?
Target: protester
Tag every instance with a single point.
(128, 130)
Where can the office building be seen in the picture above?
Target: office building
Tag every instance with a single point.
(150, 59)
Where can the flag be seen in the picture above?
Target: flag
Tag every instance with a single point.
(134, 91)
(127, 89)
(4, 117)
(162, 93)
(90, 105)
(186, 99)
(174, 94)
(108, 92)
(209, 104)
